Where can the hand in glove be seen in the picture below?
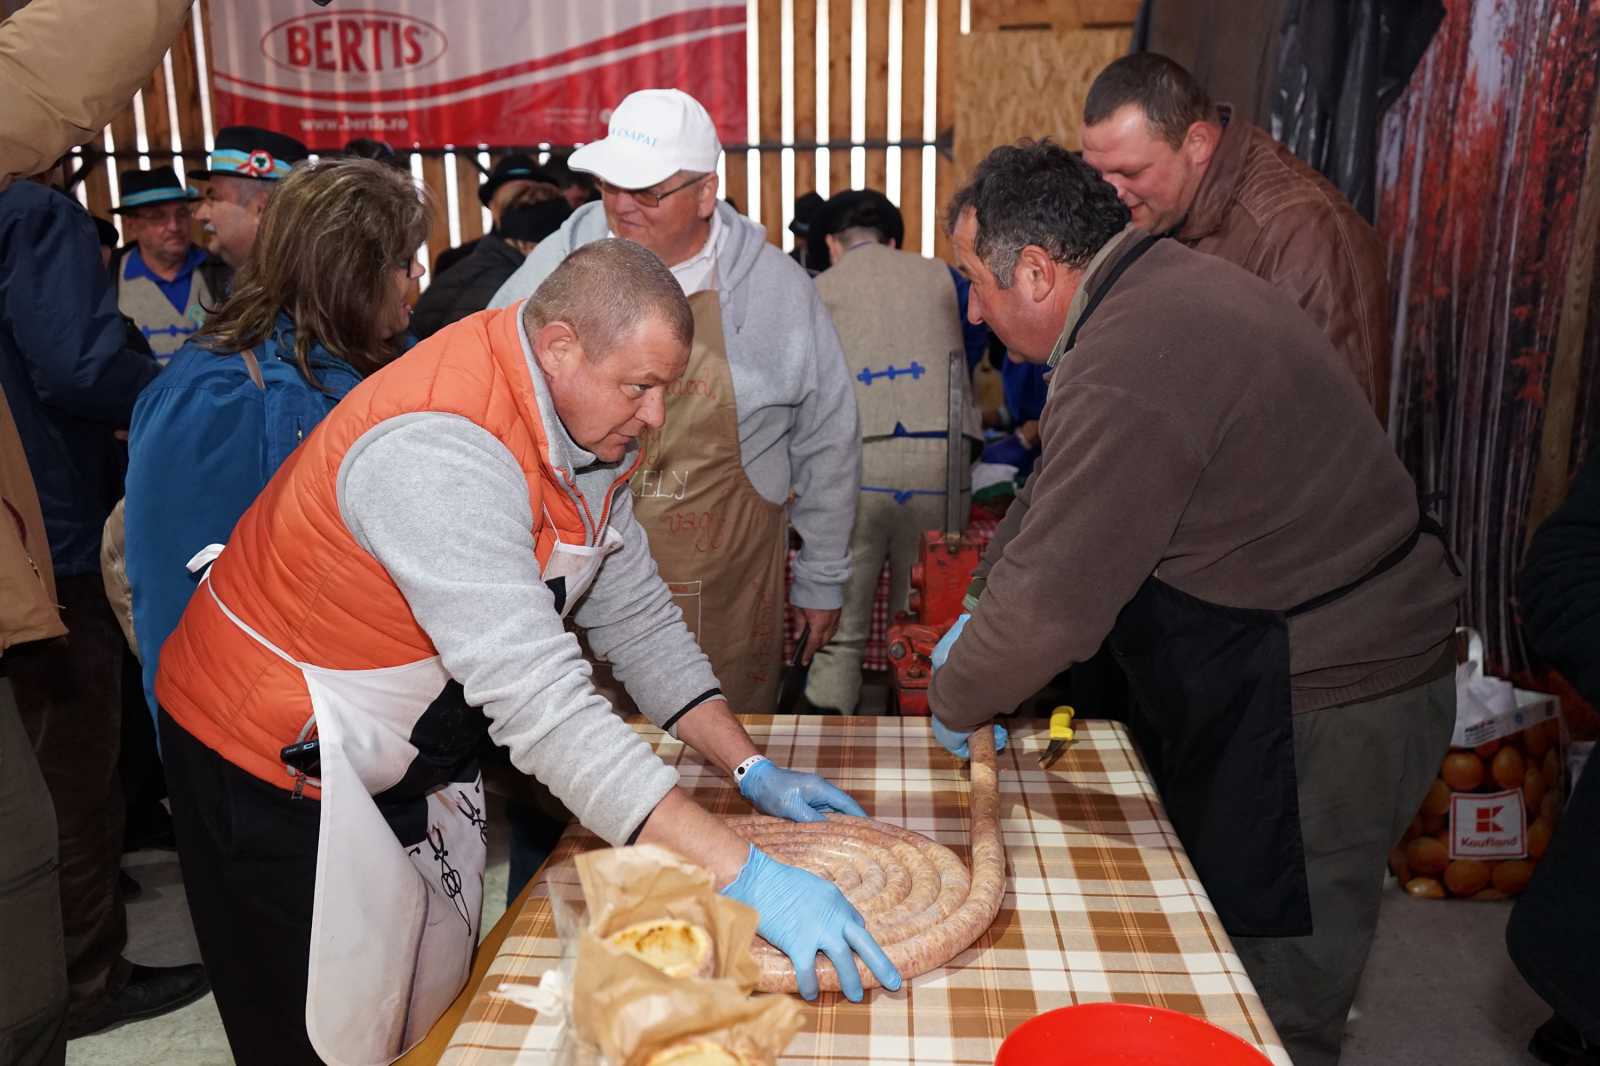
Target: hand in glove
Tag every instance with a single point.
(801, 915)
(955, 742)
(791, 794)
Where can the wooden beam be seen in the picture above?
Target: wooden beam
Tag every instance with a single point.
(469, 212)
(439, 232)
(914, 15)
(877, 92)
(946, 177)
(839, 19)
(805, 94)
(770, 43)
(1566, 370)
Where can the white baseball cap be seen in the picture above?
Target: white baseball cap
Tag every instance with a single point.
(653, 134)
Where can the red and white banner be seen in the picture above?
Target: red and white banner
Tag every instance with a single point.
(467, 72)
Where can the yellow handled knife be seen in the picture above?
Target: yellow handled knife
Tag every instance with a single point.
(1060, 736)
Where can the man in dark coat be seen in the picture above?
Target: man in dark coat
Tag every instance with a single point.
(470, 284)
(1554, 932)
(71, 377)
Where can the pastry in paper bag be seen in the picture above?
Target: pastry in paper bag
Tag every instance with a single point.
(646, 903)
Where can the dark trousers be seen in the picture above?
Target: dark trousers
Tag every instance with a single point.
(33, 967)
(249, 856)
(1363, 770)
(69, 697)
(1554, 931)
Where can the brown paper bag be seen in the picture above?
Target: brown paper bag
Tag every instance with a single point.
(630, 1010)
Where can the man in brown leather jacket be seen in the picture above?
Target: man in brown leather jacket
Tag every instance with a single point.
(1187, 168)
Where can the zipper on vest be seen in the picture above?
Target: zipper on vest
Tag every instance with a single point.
(306, 729)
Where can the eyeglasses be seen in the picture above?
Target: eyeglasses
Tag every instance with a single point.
(644, 197)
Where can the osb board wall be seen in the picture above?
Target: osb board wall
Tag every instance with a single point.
(1012, 84)
(1053, 14)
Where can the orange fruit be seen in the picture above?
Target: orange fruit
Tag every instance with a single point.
(1398, 864)
(1512, 877)
(1508, 768)
(1539, 838)
(1537, 739)
(1533, 788)
(1465, 877)
(1414, 830)
(1437, 801)
(1428, 857)
(1487, 748)
(1462, 771)
(1550, 806)
(1551, 766)
(1425, 888)
(1488, 895)
(1433, 824)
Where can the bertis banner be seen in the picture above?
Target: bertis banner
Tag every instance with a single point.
(469, 72)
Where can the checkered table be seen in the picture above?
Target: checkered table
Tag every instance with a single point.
(1101, 902)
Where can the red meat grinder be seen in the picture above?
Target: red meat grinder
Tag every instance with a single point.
(939, 579)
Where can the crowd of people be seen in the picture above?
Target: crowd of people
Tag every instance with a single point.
(366, 545)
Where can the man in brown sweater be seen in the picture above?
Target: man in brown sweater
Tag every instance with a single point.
(1192, 170)
(1212, 503)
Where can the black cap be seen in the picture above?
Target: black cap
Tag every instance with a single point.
(534, 222)
(866, 208)
(252, 152)
(511, 168)
(806, 210)
(137, 188)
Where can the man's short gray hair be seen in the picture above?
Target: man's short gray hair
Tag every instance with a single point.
(605, 291)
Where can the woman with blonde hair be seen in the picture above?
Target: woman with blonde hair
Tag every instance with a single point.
(319, 304)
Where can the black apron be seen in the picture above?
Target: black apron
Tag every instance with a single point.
(1213, 685)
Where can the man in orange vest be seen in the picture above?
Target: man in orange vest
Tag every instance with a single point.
(397, 593)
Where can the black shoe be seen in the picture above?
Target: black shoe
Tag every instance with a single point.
(151, 990)
(131, 889)
(1558, 1043)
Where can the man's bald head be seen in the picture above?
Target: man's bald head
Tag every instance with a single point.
(605, 291)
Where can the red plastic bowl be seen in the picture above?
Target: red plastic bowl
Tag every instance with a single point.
(1123, 1034)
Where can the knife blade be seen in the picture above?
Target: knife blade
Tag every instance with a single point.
(794, 675)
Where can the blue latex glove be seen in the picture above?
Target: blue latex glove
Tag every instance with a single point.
(791, 794)
(802, 914)
(941, 650)
(955, 742)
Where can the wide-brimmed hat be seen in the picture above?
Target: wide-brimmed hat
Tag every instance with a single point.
(653, 134)
(534, 222)
(140, 188)
(252, 152)
(511, 168)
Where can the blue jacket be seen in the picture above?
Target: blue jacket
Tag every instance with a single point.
(65, 366)
(205, 441)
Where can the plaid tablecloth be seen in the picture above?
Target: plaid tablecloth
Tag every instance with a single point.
(981, 524)
(1101, 902)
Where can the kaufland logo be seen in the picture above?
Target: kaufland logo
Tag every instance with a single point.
(354, 42)
(1488, 826)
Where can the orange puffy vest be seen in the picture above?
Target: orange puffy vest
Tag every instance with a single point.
(294, 574)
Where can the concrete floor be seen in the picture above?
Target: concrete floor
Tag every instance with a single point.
(1438, 987)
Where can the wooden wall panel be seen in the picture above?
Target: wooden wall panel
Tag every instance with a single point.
(805, 95)
(439, 235)
(839, 129)
(877, 125)
(769, 43)
(186, 90)
(469, 212)
(913, 36)
(738, 190)
(946, 174)
(1043, 97)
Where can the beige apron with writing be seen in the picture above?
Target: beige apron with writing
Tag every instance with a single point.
(718, 543)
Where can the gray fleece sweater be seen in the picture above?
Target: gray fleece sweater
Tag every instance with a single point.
(791, 385)
(443, 505)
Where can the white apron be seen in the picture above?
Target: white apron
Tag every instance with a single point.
(393, 924)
